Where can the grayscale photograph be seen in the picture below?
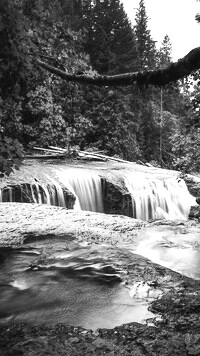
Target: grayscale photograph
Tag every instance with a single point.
(99, 177)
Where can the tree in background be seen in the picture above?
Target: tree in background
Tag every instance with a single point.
(164, 53)
(44, 110)
(111, 46)
(147, 131)
(110, 39)
(76, 39)
(16, 65)
(146, 50)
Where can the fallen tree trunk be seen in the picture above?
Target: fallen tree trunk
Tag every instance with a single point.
(104, 156)
(59, 149)
(47, 150)
(45, 156)
(174, 71)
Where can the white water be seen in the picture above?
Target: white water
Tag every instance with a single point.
(152, 198)
(159, 198)
(59, 193)
(53, 195)
(86, 187)
(174, 248)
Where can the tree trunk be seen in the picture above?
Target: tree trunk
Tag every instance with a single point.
(160, 77)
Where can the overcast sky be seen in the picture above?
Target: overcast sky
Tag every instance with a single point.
(176, 18)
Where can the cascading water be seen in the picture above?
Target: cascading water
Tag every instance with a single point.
(59, 193)
(85, 185)
(159, 198)
(34, 193)
(152, 197)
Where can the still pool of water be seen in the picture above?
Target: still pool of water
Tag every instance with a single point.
(55, 281)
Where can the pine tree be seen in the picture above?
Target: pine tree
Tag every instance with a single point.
(146, 51)
(111, 42)
(165, 52)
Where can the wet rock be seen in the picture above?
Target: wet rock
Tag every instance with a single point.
(116, 199)
(195, 212)
(132, 339)
(193, 184)
(198, 200)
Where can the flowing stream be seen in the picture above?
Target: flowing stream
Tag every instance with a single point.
(60, 280)
(173, 248)
(54, 281)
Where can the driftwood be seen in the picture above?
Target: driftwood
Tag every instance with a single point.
(52, 154)
(58, 149)
(105, 157)
(44, 156)
(57, 152)
(45, 150)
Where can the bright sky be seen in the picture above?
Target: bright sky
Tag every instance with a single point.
(176, 18)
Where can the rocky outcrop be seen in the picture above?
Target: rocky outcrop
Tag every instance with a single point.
(34, 185)
(116, 199)
(193, 184)
(195, 212)
(19, 222)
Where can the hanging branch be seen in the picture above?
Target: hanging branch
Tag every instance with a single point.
(161, 124)
(173, 72)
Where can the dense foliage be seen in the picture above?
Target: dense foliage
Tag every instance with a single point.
(38, 108)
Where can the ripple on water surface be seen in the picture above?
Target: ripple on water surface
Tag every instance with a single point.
(56, 281)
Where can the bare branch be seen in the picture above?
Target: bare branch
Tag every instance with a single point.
(174, 71)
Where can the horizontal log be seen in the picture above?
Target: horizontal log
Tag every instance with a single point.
(162, 76)
(44, 156)
(46, 150)
(58, 149)
(106, 157)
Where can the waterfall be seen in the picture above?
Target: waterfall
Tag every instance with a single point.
(152, 197)
(59, 193)
(86, 187)
(34, 193)
(158, 198)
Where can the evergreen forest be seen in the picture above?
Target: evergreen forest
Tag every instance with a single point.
(140, 123)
